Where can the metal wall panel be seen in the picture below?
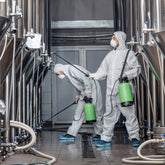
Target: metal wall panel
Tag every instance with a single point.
(81, 10)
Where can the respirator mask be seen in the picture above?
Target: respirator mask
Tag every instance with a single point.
(61, 76)
(113, 44)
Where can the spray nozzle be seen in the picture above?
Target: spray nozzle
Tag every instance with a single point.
(87, 99)
(124, 79)
(87, 75)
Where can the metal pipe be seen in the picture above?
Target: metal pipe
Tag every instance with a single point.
(7, 122)
(162, 92)
(2, 9)
(34, 107)
(143, 19)
(122, 15)
(13, 87)
(149, 20)
(49, 19)
(31, 101)
(24, 12)
(39, 105)
(23, 18)
(24, 93)
(19, 104)
(36, 103)
(158, 14)
(30, 15)
(36, 98)
(142, 102)
(37, 16)
(19, 101)
(33, 94)
(20, 23)
(20, 92)
(135, 98)
(28, 104)
(7, 7)
(34, 15)
(43, 21)
(138, 99)
(52, 97)
(154, 98)
(42, 78)
(13, 69)
(137, 4)
(148, 101)
(13, 11)
(131, 17)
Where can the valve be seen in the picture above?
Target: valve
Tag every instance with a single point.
(151, 43)
(145, 29)
(18, 13)
(149, 131)
(15, 138)
(132, 42)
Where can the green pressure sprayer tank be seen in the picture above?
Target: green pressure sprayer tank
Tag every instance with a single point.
(89, 110)
(125, 94)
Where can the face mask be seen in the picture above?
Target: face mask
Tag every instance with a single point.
(61, 76)
(113, 44)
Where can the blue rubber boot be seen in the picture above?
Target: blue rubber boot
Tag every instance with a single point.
(135, 143)
(66, 137)
(96, 138)
(103, 144)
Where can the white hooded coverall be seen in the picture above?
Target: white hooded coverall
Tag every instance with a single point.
(111, 68)
(83, 86)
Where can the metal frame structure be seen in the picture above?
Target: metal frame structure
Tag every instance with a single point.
(23, 74)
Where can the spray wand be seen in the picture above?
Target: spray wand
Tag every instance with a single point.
(61, 110)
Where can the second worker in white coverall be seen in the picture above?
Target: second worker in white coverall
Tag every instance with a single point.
(111, 68)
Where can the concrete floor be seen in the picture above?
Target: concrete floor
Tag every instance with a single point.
(72, 153)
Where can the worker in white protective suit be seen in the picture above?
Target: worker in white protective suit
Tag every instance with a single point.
(111, 68)
(84, 87)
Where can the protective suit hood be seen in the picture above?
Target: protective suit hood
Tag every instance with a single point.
(61, 67)
(121, 37)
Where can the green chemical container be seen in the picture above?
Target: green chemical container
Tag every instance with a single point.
(89, 112)
(125, 94)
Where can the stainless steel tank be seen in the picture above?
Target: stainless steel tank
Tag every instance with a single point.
(159, 133)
